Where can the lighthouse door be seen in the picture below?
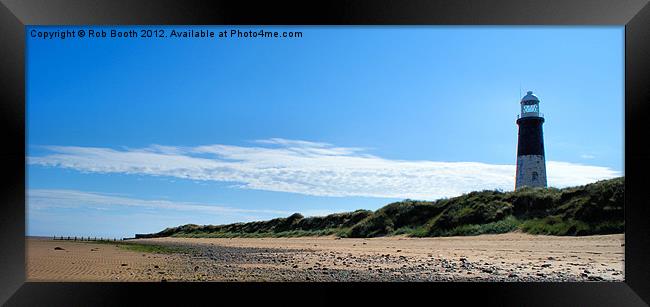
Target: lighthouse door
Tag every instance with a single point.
(535, 176)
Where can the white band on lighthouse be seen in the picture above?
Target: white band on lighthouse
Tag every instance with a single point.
(531, 171)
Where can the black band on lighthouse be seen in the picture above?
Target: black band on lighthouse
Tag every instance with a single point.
(531, 139)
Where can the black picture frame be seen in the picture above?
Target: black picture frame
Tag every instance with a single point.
(633, 14)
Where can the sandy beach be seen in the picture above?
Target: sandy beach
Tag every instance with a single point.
(503, 257)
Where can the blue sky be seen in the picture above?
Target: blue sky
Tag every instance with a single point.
(135, 135)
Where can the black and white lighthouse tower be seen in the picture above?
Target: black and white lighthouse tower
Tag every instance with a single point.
(531, 164)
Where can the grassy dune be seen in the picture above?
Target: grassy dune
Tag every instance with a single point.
(595, 208)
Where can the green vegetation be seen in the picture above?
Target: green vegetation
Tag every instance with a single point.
(145, 248)
(507, 224)
(596, 208)
(292, 226)
(281, 234)
(151, 248)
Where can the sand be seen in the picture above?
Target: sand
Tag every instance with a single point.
(80, 261)
(503, 257)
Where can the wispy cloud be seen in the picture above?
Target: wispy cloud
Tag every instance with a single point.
(310, 168)
(587, 156)
(40, 199)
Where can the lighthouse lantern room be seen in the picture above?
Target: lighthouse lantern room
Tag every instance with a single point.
(529, 105)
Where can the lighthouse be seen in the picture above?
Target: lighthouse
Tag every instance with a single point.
(531, 164)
